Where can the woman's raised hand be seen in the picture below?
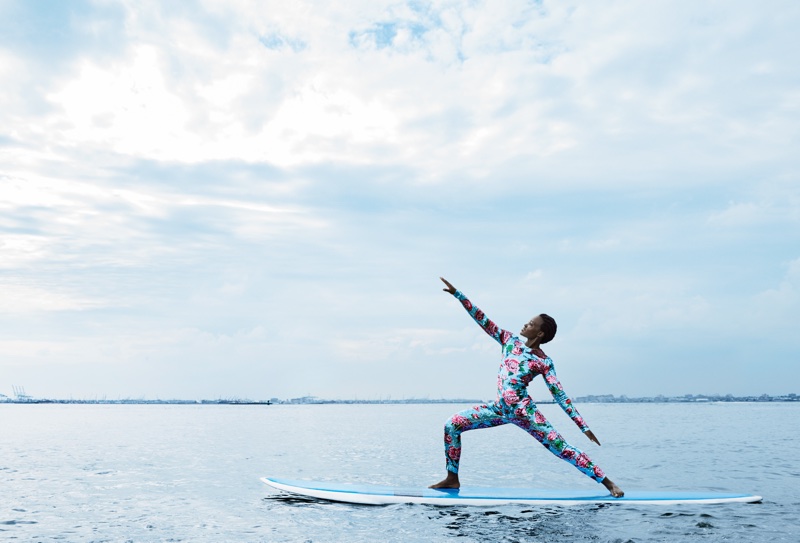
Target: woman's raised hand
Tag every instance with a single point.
(450, 288)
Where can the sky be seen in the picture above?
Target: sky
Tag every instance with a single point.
(256, 199)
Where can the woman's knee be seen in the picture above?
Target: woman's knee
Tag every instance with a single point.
(457, 424)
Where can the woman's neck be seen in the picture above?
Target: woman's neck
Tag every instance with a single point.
(533, 344)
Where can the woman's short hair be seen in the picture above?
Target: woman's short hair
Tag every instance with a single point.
(549, 327)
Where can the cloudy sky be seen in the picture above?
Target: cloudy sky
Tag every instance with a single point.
(256, 199)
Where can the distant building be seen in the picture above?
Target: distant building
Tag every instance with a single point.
(305, 399)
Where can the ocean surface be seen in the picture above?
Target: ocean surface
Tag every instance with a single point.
(131, 473)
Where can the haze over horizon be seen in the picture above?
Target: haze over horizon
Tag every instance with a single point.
(256, 199)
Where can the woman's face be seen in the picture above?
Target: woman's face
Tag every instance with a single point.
(533, 328)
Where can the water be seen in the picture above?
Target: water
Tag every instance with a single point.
(190, 473)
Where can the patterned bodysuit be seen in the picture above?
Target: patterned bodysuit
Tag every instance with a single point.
(518, 367)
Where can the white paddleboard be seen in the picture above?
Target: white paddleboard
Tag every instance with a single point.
(382, 495)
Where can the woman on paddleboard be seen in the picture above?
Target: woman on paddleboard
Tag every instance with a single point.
(523, 359)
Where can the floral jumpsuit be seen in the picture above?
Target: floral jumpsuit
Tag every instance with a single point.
(513, 405)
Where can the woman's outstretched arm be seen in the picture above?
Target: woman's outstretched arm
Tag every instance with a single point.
(499, 335)
(555, 388)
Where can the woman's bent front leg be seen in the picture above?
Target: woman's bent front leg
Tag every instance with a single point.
(480, 416)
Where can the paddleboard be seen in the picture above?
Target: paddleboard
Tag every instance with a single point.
(483, 496)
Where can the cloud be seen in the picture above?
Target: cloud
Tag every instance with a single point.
(775, 308)
(278, 42)
(209, 182)
(19, 299)
(205, 97)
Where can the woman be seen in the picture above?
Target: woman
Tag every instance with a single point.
(522, 361)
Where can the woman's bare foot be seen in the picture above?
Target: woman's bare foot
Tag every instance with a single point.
(451, 481)
(614, 489)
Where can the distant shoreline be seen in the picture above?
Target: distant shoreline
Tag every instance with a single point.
(310, 400)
